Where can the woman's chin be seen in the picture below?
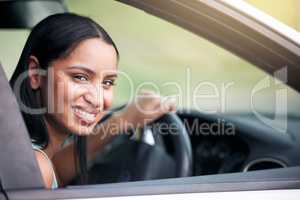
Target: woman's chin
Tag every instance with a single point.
(82, 127)
(83, 130)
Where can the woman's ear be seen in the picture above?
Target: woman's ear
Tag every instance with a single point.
(33, 75)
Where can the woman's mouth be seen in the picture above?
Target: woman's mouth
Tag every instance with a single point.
(84, 116)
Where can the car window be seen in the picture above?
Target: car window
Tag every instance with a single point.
(158, 55)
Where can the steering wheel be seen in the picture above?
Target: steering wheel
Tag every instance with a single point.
(169, 154)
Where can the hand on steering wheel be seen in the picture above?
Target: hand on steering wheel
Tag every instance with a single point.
(136, 160)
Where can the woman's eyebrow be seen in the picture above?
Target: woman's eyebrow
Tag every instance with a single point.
(81, 67)
(90, 71)
(115, 75)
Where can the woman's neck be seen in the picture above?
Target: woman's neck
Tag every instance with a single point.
(56, 137)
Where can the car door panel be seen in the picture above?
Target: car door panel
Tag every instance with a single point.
(276, 179)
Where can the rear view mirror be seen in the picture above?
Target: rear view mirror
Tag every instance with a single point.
(25, 14)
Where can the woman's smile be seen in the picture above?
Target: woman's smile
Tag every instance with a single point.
(85, 116)
(82, 88)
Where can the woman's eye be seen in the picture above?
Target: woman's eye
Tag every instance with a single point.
(108, 83)
(80, 78)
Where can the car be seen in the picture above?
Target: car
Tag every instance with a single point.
(222, 147)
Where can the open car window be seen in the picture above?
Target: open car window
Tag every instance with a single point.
(201, 76)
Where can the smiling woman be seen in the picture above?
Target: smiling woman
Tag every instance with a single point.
(42, 50)
(64, 85)
(82, 85)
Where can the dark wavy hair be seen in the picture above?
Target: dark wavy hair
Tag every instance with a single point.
(53, 38)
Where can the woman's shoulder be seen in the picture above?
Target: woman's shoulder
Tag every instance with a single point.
(46, 168)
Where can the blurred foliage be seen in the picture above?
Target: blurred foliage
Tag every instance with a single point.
(153, 50)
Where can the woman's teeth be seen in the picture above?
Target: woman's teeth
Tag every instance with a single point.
(85, 115)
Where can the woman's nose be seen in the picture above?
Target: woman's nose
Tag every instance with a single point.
(95, 97)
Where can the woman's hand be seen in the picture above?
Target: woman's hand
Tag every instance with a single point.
(146, 108)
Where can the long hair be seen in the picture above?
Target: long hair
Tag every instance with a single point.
(54, 37)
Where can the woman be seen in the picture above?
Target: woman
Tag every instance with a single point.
(64, 85)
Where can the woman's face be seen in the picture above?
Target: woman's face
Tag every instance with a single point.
(79, 88)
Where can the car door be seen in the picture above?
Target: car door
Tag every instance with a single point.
(20, 177)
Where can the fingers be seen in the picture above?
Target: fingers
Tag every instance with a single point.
(147, 107)
(151, 103)
(169, 105)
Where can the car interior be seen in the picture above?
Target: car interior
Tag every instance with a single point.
(239, 152)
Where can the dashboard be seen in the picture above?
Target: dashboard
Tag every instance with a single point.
(220, 144)
(238, 143)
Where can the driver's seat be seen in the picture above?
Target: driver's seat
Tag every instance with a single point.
(18, 166)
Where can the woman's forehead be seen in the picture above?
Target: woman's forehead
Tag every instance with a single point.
(92, 55)
(95, 50)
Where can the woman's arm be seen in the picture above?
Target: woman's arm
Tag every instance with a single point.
(46, 169)
(64, 160)
(146, 108)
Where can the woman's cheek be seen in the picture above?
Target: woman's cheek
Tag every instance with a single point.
(74, 92)
(72, 98)
(107, 98)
